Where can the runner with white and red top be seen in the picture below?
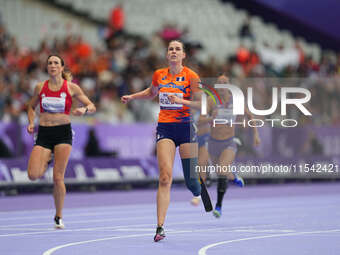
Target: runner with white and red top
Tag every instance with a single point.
(55, 133)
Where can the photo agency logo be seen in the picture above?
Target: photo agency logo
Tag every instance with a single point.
(226, 113)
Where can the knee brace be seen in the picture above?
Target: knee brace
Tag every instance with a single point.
(191, 176)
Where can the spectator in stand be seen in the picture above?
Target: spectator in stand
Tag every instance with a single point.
(116, 22)
(132, 58)
(170, 32)
(245, 30)
(248, 59)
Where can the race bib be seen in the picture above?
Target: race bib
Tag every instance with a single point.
(53, 104)
(225, 114)
(165, 103)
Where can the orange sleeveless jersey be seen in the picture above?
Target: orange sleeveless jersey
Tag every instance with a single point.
(183, 85)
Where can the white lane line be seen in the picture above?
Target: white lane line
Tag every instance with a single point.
(187, 208)
(91, 209)
(52, 250)
(203, 250)
(112, 212)
(114, 218)
(265, 230)
(114, 228)
(78, 222)
(68, 216)
(117, 208)
(26, 229)
(127, 207)
(138, 229)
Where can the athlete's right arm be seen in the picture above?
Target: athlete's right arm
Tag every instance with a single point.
(149, 93)
(30, 108)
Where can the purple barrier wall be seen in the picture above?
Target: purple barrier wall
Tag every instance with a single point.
(87, 170)
(129, 141)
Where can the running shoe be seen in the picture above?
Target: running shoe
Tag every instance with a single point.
(195, 201)
(238, 180)
(58, 223)
(217, 212)
(160, 234)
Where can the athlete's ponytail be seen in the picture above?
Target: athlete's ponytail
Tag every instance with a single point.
(67, 75)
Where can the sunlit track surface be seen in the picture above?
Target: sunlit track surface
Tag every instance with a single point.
(287, 219)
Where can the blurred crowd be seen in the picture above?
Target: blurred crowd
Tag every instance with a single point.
(127, 63)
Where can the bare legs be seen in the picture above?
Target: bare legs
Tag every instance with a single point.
(37, 166)
(165, 154)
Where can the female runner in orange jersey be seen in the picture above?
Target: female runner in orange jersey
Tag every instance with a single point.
(174, 126)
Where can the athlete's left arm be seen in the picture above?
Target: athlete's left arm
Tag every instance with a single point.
(88, 106)
(257, 139)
